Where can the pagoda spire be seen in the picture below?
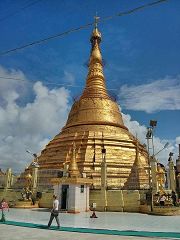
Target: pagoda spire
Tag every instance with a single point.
(137, 159)
(95, 82)
(73, 167)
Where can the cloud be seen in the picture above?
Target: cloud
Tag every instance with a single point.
(69, 77)
(11, 85)
(32, 125)
(178, 140)
(178, 144)
(162, 94)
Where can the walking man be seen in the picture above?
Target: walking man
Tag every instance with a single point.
(54, 212)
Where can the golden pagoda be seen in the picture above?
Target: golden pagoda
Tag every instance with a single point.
(95, 123)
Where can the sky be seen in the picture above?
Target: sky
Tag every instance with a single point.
(141, 52)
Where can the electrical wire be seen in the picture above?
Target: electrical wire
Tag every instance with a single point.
(21, 9)
(133, 10)
(59, 35)
(18, 79)
(45, 82)
(51, 83)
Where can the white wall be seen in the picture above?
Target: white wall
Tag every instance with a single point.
(78, 201)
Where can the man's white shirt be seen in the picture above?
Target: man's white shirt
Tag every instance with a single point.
(55, 204)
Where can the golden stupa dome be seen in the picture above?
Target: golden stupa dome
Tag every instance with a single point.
(95, 122)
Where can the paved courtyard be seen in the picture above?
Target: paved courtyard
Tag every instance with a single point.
(106, 221)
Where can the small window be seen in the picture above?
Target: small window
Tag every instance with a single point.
(82, 188)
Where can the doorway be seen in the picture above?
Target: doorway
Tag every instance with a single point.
(64, 197)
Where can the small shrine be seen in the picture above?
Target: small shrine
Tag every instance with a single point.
(29, 191)
(72, 189)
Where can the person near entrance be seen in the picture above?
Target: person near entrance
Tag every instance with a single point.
(54, 212)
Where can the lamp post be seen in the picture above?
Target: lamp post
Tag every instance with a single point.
(151, 159)
(150, 136)
(34, 155)
(104, 178)
(165, 146)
